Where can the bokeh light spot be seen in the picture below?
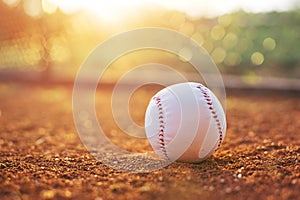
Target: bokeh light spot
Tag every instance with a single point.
(198, 37)
(217, 32)
(11, 3)
(244, 44)
(33, 8)
(251, 78)
(257, 58)
(230, 40)
(208, 46)
(31, 56)
(58, 49)
(177, 20)
(49, 6)
(269, 43)
(232, 59)
(187, 28)
(218, 55)
(225, 20)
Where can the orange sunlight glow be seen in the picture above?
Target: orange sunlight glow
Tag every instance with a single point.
(114, 10)
(110, 11)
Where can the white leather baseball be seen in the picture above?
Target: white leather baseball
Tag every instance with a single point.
(185, 122)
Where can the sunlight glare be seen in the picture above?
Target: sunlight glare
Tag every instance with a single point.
(69, 7)
(106, 10)
(32, 8)
(11, 3)
(117, 9)
(49, 6)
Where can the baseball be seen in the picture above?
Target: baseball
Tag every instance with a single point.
(185, 122)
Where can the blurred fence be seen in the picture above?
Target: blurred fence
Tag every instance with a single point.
(54, 45)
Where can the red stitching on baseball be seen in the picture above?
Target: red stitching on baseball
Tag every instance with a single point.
(213, 112)
(161, 134)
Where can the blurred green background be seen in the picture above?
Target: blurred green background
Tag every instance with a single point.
(39, 40)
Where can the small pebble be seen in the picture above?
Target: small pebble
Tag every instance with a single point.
(68, 194)
(145, 188)
(2, 166)
(237, 188)
(266, 141)
(99, 183)
(114, 187)
(228, 190)
(40, 141)
(251, 134)
(287, 148)
(48, 194)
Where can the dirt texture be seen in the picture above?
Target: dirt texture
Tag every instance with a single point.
(42, 156)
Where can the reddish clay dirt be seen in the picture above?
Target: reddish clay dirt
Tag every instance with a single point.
(42, 157)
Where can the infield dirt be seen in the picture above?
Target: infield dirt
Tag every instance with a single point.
(42, 157)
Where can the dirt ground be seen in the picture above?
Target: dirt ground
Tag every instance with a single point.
(42, 157)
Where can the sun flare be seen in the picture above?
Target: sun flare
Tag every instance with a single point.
(109, 11)
(114, 10)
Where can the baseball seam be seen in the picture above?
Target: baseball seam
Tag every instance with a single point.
(209, 102)
(161, 133)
